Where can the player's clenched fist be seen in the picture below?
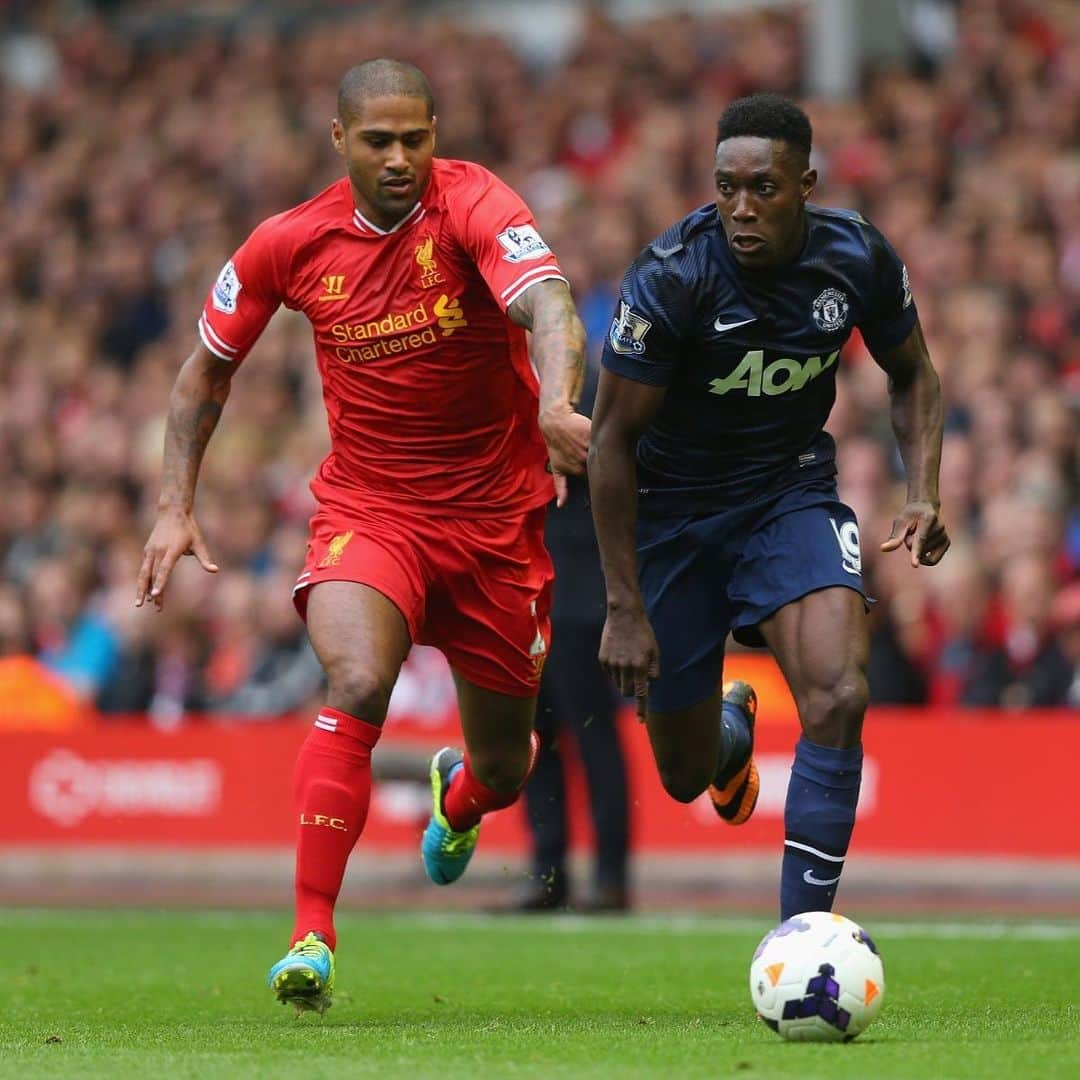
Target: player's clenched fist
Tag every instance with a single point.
(566, 433)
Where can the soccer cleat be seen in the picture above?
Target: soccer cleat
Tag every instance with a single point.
(304, 977)
(735, 794)
(445, 852)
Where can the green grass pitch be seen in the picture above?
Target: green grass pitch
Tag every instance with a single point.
(122, 994)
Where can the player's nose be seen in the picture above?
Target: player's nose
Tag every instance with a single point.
(395, 156)
(744, 208)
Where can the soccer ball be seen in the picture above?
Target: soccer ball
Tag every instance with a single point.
(817, 978)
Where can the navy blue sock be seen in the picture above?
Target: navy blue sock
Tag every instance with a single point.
(818, 819)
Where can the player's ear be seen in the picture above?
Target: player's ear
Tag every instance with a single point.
(807, 183)
(337, 135)
(434, 132)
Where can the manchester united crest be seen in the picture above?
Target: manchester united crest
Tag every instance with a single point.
(830, 310)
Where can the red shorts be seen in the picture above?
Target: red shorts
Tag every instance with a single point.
(478, 589)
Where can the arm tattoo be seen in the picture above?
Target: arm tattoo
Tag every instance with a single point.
(187, 432)
(558, 339)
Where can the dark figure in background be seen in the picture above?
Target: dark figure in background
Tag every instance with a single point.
(577, 699)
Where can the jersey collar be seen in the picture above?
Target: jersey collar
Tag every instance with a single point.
(369, 228)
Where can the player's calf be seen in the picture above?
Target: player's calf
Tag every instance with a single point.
(458, 801)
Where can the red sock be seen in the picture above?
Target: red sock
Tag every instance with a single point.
(466, 800)
(331, 792)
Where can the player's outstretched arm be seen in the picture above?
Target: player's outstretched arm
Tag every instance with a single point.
(195, 404)
(624, 409)
(918, 420)
(558, 351)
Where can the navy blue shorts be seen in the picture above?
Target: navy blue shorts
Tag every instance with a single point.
(707, 574)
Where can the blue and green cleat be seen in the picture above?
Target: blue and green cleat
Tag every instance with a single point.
(304, 977)
(445, 852)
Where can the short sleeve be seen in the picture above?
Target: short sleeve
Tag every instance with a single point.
(649, 324)
(500, 235)
(247, 292)
(890, 310)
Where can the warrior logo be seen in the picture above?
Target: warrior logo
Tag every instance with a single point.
(333, 288)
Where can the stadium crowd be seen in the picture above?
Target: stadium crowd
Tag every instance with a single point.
(132, 165)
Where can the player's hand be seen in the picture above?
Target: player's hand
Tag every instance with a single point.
(175, 533)
(917, 527)
(566, 433)
(630, 655)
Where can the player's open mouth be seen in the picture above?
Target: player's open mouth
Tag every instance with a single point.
(745, 242)
(398, 185)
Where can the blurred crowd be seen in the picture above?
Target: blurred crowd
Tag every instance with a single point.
(132, 165)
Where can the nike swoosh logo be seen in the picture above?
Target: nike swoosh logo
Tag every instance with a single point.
(724, 327)
(809, 878)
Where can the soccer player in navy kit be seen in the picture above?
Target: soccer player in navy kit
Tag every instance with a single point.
(713, 483)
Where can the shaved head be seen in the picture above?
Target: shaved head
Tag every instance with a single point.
(381, 78)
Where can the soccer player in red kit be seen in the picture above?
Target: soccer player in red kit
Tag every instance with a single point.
(420, 278)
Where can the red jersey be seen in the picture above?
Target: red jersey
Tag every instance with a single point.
(428, 387)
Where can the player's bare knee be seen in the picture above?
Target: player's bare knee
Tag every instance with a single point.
(359, 691)
(833, 715)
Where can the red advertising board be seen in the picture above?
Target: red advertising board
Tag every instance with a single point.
(941, 782)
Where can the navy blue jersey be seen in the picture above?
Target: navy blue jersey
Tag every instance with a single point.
(748, 357)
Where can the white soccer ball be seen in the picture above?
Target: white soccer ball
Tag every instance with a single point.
(817, 978)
